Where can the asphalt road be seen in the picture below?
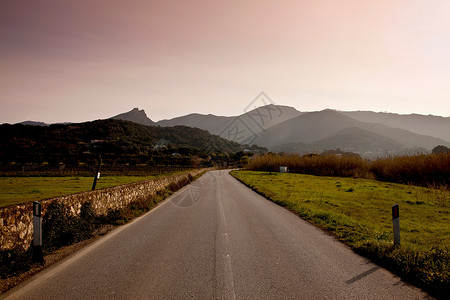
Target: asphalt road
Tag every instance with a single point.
(216, 239)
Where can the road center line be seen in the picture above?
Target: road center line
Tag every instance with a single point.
(228, 270)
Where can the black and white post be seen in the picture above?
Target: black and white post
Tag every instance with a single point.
(396, 224)
(37, 232)
(97, 173)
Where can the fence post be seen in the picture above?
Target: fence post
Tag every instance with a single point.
(37, 233)
(97, 173)
(396, 224)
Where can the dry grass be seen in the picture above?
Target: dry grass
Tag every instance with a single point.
(424, 170)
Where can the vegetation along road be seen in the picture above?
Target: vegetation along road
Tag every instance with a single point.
(216, 239)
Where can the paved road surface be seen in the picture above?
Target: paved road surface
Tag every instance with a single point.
(216, 239)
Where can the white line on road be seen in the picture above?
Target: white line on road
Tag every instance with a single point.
(229, 280)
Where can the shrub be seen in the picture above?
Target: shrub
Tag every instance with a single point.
(176, 185)
(61, 228)
(57, 227)
(14, 262)
(87, 222)
(118, 216)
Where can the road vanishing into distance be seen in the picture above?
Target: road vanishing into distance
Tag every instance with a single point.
(216, 239)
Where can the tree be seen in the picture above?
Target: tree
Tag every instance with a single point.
(244, 160)
(441, 149)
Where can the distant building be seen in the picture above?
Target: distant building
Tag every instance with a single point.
(161, 144)
(283, 169)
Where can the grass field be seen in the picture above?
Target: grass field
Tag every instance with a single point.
(358, 211)
(15, 190)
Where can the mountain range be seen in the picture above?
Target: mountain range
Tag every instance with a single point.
(330, 129)
(283, 128)
(243, 128)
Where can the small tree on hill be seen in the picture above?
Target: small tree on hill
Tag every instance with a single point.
(441, 149)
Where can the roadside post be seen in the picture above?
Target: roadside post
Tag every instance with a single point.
(396, 224)
(97, 173)
(37, 232)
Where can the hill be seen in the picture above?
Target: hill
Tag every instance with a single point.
(33, 123)
(117, 141)
(306, 128)
(330, 129)
(357, 140)
(211, 123)
(249, 124)
(435, 126)
(353, 140)
(135, 115)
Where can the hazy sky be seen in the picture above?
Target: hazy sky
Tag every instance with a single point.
(87, 59)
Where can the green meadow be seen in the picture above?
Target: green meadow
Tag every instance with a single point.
(15, 190)
(359, 213)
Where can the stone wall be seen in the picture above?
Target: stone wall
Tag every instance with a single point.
(16, 222)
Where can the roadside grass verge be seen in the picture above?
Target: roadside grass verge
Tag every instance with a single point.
(16, 190)
(61, 228)
(358, 212)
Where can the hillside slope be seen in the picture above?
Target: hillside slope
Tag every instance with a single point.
(357, 140)
(249, 125)
(114, 139)
(211, 123)
(306, 128)
(435, 126)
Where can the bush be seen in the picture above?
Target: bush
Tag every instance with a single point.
(87, 222)
(118, 216)
(176, 185)
(14, 262)
(61, 228)
(57, 227)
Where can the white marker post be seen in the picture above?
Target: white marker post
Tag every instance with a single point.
(396, 224)
(97, 173)
(37, 232)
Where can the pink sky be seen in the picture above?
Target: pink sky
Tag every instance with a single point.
(88, 59)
